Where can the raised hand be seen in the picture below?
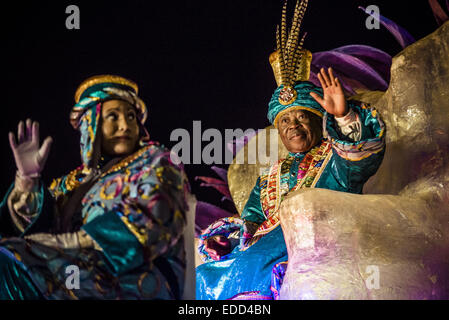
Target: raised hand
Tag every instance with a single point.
(333, 101)
(29, 158)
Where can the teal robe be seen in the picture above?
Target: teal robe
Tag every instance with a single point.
(135, 212)
(252, 272)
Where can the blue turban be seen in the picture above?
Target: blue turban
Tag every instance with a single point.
(304, 101)
(89, 97)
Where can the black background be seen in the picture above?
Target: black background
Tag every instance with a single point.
(193, 60)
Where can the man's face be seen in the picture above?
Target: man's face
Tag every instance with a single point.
(120, 130)
(300, 130)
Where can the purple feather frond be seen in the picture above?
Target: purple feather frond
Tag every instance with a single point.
(402, 36)
(206, 214)
(379, 60)
(353, 72)
(226, 198)
(237, 144)
(438, 12)
(222, 173)
(210, 180)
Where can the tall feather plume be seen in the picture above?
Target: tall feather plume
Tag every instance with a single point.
(293, 39)
(302, 10)
(295, 19)
(291, 52)
(299, 16)
(294, 35)
(289, 49)
(283, 53)
(299, 53)
(278, 48)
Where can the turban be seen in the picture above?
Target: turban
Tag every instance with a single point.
(86, 113)
(303, 101)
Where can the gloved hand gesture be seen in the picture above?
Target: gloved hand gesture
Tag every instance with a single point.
(29, 158)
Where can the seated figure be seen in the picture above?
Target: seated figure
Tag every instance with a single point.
(117, 221)
(390, 242)
(333, 144)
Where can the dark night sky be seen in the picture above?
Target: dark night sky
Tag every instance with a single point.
(193, 60)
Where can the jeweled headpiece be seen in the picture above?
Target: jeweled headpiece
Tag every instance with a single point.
(102, 88)
(291, 68)
(289, 53)
(85, 115)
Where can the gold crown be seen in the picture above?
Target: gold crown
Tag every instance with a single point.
(290, 62)
(103, 79)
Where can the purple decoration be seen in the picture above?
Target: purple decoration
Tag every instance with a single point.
(353, 72)
(438, 12)
(237, 144)
(222, 173)
(375, 58)
(218, 185)
(206, 214)
(402, 36)
(348, 88)
(211, 181)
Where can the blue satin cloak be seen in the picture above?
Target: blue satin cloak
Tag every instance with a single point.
(243, 271)
(16, 283)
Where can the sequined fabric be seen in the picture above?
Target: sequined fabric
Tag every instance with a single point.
(248, 270)
(135, 212)
(303, 99)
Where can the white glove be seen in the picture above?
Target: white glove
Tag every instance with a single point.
(29, 158)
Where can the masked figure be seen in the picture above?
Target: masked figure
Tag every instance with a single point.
(110, 229)
(333, 144)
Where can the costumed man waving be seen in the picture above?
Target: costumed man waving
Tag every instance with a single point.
(117, 220)
(333, 144)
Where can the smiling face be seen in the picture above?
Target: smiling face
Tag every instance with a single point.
(300, 130)
(120, 130)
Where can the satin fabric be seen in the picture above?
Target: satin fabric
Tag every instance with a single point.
(254, 272)
(247, 272)
(16, 283)
(303, 99)
(134, 213)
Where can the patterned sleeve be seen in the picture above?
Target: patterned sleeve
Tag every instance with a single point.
(148, 222)
(356, 161)
(350, 126)
(242, 228)
(23, 203)
(372, 140)
(222, 227)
